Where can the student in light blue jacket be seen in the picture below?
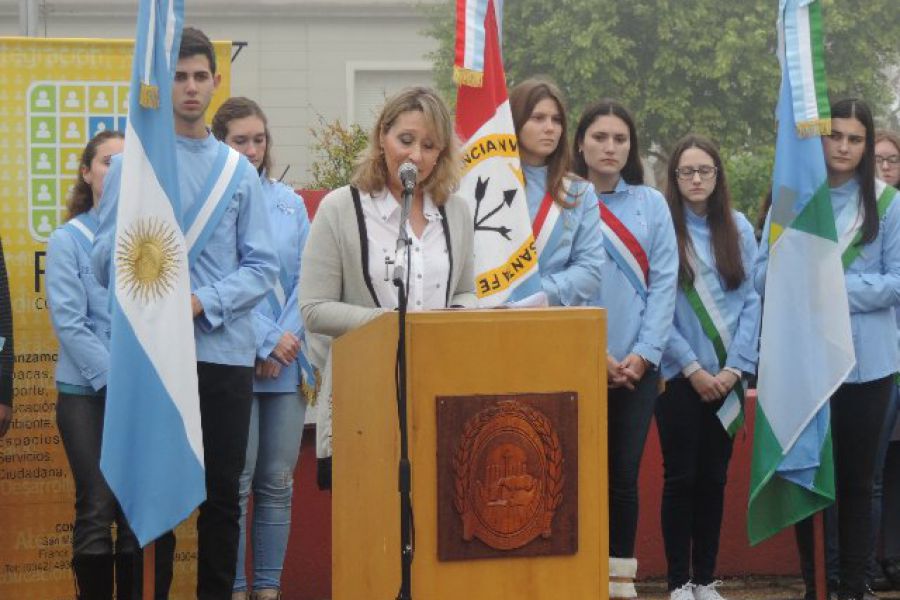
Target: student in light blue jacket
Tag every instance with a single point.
(278, 412)
(563, 208)
(80, 318)
(232, 270)
(867, 216)
(713, 343)
(639, 277)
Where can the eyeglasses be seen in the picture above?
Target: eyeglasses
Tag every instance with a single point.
(687, 173)
(893, 160)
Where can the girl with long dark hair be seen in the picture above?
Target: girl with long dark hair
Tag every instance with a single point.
(639, 277)
(867, 218)
(713, 343)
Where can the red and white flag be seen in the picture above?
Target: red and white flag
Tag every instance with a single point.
(506, 265)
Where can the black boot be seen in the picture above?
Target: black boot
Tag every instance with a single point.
(803, 533)
(93, 576)
(163, 559)
(128, 587)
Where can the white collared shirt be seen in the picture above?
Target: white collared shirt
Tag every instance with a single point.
(429, 264)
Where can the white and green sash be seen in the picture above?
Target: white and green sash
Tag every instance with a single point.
(707, 299)
(849, 222)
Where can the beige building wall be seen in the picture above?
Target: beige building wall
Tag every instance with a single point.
(305, 60)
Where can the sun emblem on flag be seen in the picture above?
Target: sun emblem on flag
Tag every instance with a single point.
(147, 259)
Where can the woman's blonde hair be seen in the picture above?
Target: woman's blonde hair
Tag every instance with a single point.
(370, 174)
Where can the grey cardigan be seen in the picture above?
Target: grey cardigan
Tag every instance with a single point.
(335, 296)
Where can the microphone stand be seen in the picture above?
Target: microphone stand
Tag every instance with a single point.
(400, 279)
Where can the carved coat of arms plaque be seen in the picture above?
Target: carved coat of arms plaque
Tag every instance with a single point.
(507, 475)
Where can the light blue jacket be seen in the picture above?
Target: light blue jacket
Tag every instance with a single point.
(687, 341)
(236, 269)
(633, 324)
(873, 290)
(289, 223)
(570, 265)
(78, 310)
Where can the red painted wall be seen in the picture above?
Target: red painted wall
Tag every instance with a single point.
(776, 556)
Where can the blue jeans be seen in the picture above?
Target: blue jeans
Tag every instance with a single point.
(276, 427)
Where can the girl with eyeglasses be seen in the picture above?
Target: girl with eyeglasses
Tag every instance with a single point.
(887, 164)
(867, 216)
(712, 345)
(639, 277)
(562, 207)
(887, 157)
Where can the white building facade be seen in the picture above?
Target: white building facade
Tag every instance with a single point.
(305, 60)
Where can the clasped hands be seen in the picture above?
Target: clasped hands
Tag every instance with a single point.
(284, 353)
(713, 387)
(626, 373)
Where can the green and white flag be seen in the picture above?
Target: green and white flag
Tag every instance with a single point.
(806, 346)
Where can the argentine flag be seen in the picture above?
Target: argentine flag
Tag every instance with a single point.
(152, 453)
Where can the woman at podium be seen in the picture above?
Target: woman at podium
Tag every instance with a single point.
(639, 278)
(352, 249)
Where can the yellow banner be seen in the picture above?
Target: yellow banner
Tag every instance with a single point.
(54, 95)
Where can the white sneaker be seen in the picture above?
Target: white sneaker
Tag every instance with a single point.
(685, 592)
(708, 592)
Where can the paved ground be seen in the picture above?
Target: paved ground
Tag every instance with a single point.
(751, 588)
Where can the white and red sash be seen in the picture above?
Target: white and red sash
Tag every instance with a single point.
(544, 221)
(625, 250)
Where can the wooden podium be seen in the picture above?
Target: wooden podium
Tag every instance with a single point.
(456, 354)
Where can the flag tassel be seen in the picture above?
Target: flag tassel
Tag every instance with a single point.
(463, 76)
(149, 96)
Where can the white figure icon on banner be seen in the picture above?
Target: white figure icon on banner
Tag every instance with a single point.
(72, 162)
(44, 194)
(43, 164)
(44, 226)
(43, 101)
(43, 132)
(72, 100)
(100, 101)
(72, 132)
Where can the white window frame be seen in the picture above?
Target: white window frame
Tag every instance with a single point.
(353, 67)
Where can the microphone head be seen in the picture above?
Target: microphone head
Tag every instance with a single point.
(407, 173)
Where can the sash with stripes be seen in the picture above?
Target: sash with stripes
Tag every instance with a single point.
(850, 224)
(203, 218)
(310, 377)
(83, 228)
(545, 221)
(625, 250)
(707, 299)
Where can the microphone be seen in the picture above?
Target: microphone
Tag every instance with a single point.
(407, 173)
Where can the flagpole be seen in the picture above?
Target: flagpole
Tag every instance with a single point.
(819, 554)
(149, 586)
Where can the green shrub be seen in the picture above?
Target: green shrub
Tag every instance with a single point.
(335, 149)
